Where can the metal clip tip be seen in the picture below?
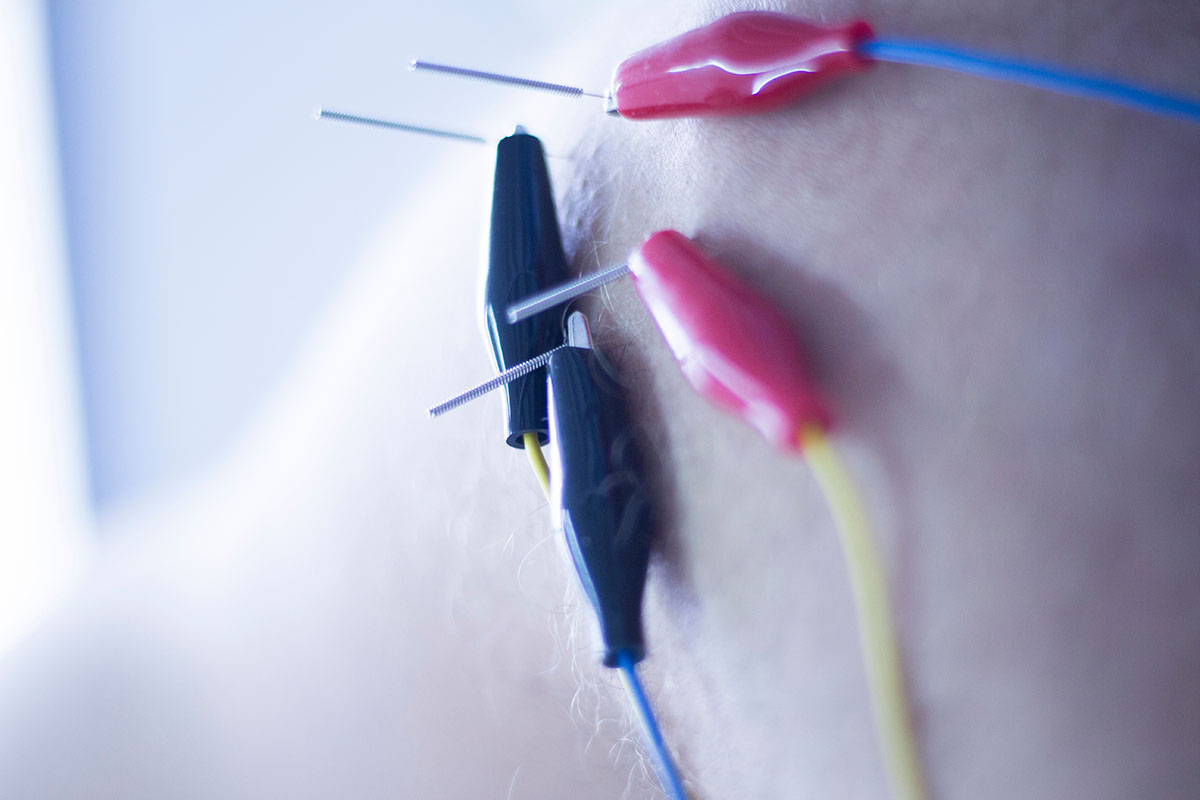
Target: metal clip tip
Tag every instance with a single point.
(578, 332)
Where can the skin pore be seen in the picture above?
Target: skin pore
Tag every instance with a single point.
(1000, 291)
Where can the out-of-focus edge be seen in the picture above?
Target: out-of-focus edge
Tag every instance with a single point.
(45, 517)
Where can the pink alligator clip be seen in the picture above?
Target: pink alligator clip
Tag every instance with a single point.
(743, 63)
(733, 346)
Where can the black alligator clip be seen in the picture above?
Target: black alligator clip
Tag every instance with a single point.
(601, 500)
(524, 257)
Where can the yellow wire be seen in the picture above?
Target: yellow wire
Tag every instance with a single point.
(884, 674)
(538, 460)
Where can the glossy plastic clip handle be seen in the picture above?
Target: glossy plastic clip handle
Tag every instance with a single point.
(525, 255)
(743, 63)
(599, 494)
(733, 346)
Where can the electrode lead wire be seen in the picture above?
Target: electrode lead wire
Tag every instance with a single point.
(667, 772)
(1030, 73)
(885, 677)
(537, 460)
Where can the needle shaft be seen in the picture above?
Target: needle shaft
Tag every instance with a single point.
(510, 374)
(563, 293)
(496, 77)
(340, 116)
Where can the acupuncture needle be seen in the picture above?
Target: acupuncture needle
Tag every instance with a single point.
(377, 122)
(752, 62)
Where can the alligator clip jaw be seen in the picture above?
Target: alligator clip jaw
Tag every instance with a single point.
(744, 63)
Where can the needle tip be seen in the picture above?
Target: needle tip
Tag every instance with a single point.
(412, 63)
(318, 112)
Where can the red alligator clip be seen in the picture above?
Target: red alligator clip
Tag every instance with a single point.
(743, 63)
(734, 347)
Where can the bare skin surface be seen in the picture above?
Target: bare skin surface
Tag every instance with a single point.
(1000, 290)
(358, 603)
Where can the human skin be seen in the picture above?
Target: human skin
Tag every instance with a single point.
(1000, 291)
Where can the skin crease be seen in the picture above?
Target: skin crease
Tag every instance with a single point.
(1000, 290)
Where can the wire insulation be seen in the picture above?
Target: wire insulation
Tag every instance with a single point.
(1031, 73)
(878, 640)
(537, 459)
(667, 772)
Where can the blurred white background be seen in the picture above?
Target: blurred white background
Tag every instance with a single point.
(173, 221)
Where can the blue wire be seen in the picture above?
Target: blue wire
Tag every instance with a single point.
(1042, 76)
(666, 768)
